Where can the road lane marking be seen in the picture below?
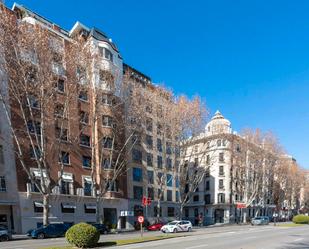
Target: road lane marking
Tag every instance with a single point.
(199, 246)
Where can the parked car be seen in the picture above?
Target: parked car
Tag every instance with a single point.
(50, 231)
(5, 234)
(156, 226)
(260, 220)
(102, 228)
(177, 226)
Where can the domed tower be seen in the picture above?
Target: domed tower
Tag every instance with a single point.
(218, 125)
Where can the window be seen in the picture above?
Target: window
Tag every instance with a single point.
(84, 140)
(177, 196)
(136, 139)
(107, 121)
(159, 129)
(155, 211)
(169, 180)
(221, 170)
(149, 159)
(67, 208)
(169, 163)
(160, 178)
(34, 127)
(149, 124)
(106, 99)
(83, 95)
(159, 145)
(221, 185)
(137, 155)
(106, 53)
(160, 194)
(65, 187)
(112, 186)
(221, 157)
(90, 208)
(168, 148)
(224, 142)
(219, 142)
(84, 117)
(207, 159)
(33, 102)
(1, 154)
(150, 193)
(59, 110)
(106, 163)
(87, 186)
(35, 153)
(150, 177)
(38, 207)
(64, 157)
(170, 212)
(149, 141)
(207, 199)
(207, 173)
(177, 182)
(137, 174)
(61, 134)
(207, 185)
(2, 184)
(159, 162)
(238, 148)
(169, 195)
(81, 75)
(221, 198)
(196, 198)
(137, 192)
(107, 142)
(86, 161)
(60, 86)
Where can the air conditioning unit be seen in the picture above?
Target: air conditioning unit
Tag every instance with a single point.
(80, 191)
(56, 190)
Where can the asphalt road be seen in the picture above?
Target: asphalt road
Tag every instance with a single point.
(230, 237)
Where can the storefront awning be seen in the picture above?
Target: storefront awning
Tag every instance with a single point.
(40, 204)
(90, 205)
(68, 205)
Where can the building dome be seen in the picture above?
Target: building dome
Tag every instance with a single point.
(218, 125)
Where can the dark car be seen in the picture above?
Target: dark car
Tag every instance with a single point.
(49, 231)
(5, 234)
(101, 228)
(155, 226)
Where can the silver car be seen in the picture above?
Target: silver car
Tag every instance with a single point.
(5, 235)
(260, 220)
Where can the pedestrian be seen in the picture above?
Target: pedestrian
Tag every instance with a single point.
(200, 220)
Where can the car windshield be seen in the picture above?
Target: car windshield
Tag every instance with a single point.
(257, 218)
(172, 223)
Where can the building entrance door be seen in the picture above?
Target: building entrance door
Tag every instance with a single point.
(219, 216)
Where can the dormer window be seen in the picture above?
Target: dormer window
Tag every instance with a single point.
(106, 54)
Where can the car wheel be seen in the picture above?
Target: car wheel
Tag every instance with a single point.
(175, 230)
(189, 229)
(4, 238)
(41, 236)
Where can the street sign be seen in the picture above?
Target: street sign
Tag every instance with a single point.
(126, 213)
(241, 205)
(146, 201)
(140, 219)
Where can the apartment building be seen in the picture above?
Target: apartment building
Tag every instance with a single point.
(220, 196)
(9, 208)
(153, 158)
(70, 133)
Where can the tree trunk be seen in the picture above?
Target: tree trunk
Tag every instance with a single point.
(98, 211)
(158, 207)
(45, 209)
(181, 211)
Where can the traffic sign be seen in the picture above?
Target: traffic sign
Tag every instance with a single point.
(240, 205)
(140, 219)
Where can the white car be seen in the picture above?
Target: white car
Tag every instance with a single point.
(177, 226)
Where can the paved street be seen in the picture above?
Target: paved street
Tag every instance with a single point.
(231, 237)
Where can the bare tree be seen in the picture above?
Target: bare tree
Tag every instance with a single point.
(37, 77)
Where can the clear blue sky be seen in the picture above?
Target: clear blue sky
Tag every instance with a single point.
(249, 59)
